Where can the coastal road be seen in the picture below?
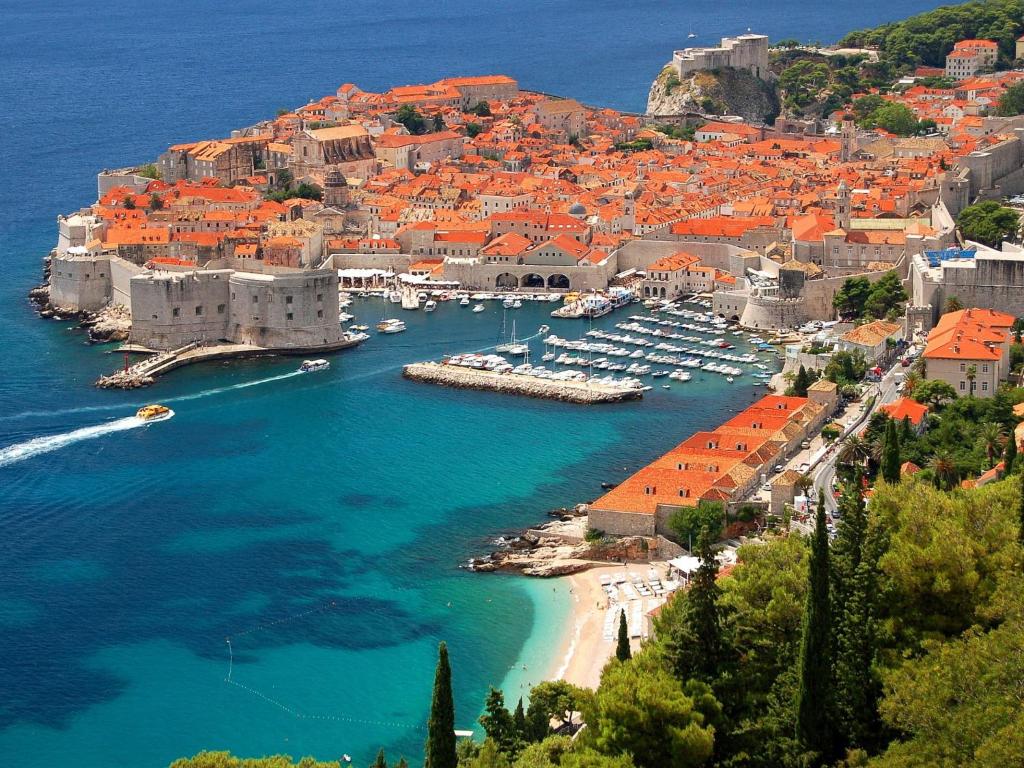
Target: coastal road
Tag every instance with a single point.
(884, 391)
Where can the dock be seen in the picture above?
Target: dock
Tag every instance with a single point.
(529, 386)
(145, 372)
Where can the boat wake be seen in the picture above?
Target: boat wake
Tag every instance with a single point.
(126, 406)
(26, 450)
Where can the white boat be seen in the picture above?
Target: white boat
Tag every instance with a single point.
(478, 308)
(430, 306)
(308, 366)
(391, 326)
(508, 303)
(464, 301)
(395, 297)
(517, 304)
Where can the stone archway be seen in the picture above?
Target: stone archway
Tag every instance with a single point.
(531, 280)
(506, 281)
(558, 282)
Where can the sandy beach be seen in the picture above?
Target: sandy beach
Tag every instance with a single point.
(583, 650)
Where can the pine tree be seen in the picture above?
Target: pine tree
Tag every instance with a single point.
(814, 698)
(801, 382)
(519, 722)
(380, 762)
(538, 722)
(402, 763)
(497, 722)
(440, 747)
(1010, 454)
(695, 645)
(891, 454)
(622, 651)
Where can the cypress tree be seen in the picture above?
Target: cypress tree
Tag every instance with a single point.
(856, 689)
(1020, 512)
(538, 722)
(440, 748)
(801, 382)
(519, 722)
(814, 698)
(906, 431)
(497, 722)
(851, 533)
(891, 454)
(402, 763)
(380, 762)
(695, 646)
(1010, 454)
(622, 652)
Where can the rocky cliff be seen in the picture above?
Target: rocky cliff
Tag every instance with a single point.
(724, 91)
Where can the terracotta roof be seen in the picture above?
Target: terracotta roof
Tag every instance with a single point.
(906, 408)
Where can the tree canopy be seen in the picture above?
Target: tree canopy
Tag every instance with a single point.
(988, 223)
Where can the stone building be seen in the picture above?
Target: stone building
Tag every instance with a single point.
(564, 116)
(970, 351)
(407, 152)
(343, 148)
(969, 56)
(749, 52)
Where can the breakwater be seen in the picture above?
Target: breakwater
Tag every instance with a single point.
(528, 386)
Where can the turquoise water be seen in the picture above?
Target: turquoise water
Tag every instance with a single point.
(318, 521)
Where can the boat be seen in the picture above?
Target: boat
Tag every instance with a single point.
(478, 308)
(308, 366)
(154, 413)
(517, 304)
(391, 326)
(511, 346)
(464, 301)
(508, 303)
(430, 306)
(360, 327)
(730, 379)
(395, 297)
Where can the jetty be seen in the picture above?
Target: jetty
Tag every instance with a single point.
(585, 392)
(145, 372)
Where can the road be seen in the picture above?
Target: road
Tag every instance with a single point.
(885, 391)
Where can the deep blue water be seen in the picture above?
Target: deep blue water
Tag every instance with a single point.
(317, 521)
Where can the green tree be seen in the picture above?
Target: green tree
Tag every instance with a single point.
(894, 118)
(622, 651)
(891, 454)
(129, 202)
(990, 438)
(556, 699)
(801, 382)
(380, 761)
(1012, 101)
(481, 109)
(1020, 511)
(156, 202)
(519, 722)
(473, 130)
(150, 171)
(498, 723)
(440, 747)
(489, 756)
(403, 763)
(695, 644)
(856, 688)
(988, 223)
(438, 123)
(227, 760)
(411, 118)
(644, 712)
(850, 298)
(687, 523)
(846, 367)
(815, 697)
(953, 304)
(886, 295)
(865, 105)
(933, 392)
(944, 471)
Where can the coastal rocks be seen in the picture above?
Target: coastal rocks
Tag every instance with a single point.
(112, 323)
(529, 386)
(723, 91)
(558, 548)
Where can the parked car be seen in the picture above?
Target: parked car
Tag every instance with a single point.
(778, 468)
(805, 444)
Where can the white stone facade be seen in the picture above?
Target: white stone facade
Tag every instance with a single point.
(747, 51)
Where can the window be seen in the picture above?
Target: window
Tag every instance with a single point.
(220, 309)
(319, 297)
(984, 386)
(984, 368)
(290, 316)
(320, 313)
(176, 312)
(683, 492)
(199, 311)
(963, 386)
(255, 299)
(963, 367)
(287, 299)
(232, 295)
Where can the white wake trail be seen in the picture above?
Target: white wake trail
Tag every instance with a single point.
(21, 451)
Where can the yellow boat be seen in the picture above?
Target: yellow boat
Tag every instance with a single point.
(154, 412)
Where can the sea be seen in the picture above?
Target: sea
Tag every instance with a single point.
(272, 569)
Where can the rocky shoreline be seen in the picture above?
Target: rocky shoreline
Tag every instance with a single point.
(112, 323)
(559, 548)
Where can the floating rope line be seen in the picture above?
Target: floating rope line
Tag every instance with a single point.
(337, 718)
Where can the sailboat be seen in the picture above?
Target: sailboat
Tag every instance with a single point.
(511, 346)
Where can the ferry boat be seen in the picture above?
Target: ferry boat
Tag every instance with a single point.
(596, 306)
(309, 366)
(391, 326)
(154, 413)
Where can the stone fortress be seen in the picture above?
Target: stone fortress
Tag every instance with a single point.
(748, 51)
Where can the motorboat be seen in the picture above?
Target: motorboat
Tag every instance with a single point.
(517, 304)
(478, 307)
(430, 306)
(508, 303)
(464, 301)
(395, 297)
(154, 413)
(309, 366)
(391, 326)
